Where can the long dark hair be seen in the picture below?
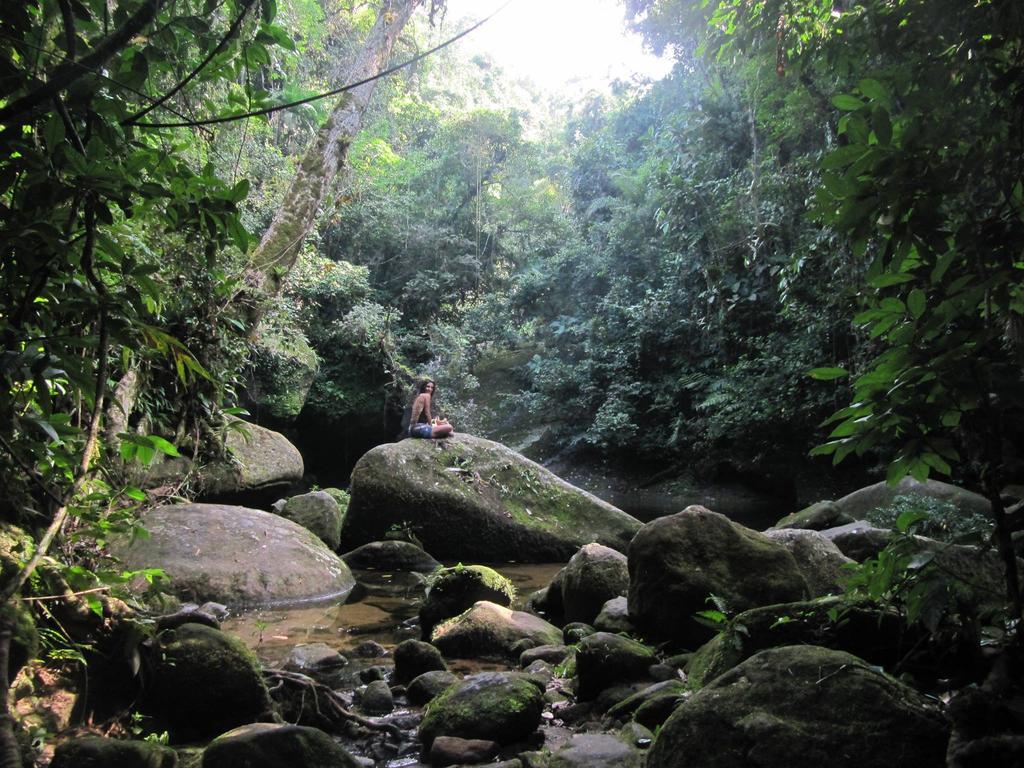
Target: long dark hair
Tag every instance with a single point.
(421, 387)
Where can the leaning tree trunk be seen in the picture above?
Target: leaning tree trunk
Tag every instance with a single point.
(278, 250)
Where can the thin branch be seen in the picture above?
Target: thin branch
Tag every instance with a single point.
(21, 110)
(318, 97)
(232, 31)
(68, 17)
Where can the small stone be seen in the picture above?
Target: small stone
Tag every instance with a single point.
(370, 649)
(377, 699)
(451, 750)
(372, 674)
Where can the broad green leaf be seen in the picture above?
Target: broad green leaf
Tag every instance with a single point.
(917, 302)
(847, 102)
(828, 374)
(164, 446)
(874, 90)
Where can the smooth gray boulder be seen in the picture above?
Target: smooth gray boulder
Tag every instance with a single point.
(592, 577)
(237, 556)
(677, 562)
(817, 517)
(803, 707)
(476, 500)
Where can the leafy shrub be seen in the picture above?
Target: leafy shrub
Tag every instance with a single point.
(935, 518)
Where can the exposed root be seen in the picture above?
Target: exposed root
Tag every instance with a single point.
(326, 702)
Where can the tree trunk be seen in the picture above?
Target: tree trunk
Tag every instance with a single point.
(10, 754)
(277, 252)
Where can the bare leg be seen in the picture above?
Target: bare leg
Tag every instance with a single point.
(442, 430)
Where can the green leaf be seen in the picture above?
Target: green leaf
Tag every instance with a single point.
(847, 102)
(134, 493)
(917, 302)
(827, 374)
(874, 90)
(889, 279)
(164, 446)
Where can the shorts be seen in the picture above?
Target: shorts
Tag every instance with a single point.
(421, 430)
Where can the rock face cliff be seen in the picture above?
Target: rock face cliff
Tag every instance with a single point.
(474, 500)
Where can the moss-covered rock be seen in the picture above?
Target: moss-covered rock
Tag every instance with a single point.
(604, 660)
(803, 707)
(499, 706)
(454, 590)
(625, 709)
(265, 745)
(676, 562)
(282, 372)
(237, 556)
(877, 636)
(472, 499)
(593, 576)
(318, 512)
(488, 630)
(205, 682)
(97, 752)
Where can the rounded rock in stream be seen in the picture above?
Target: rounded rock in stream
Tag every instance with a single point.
(497, 706)
(237, 556)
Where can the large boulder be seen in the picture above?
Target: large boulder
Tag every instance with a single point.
(473, 499)
(262, 465)
(676, 562)
(820, 561)
(237, 556)
(498, 706)
(489, 630)
(803, 707)
(317, 511)
(593, 576)
(204, 682)
(266, 745)
(455, 590)
(858, 504)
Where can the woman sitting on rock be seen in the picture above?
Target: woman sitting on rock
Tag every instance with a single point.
(422, 422)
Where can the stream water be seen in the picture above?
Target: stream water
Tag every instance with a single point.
(383, 608)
